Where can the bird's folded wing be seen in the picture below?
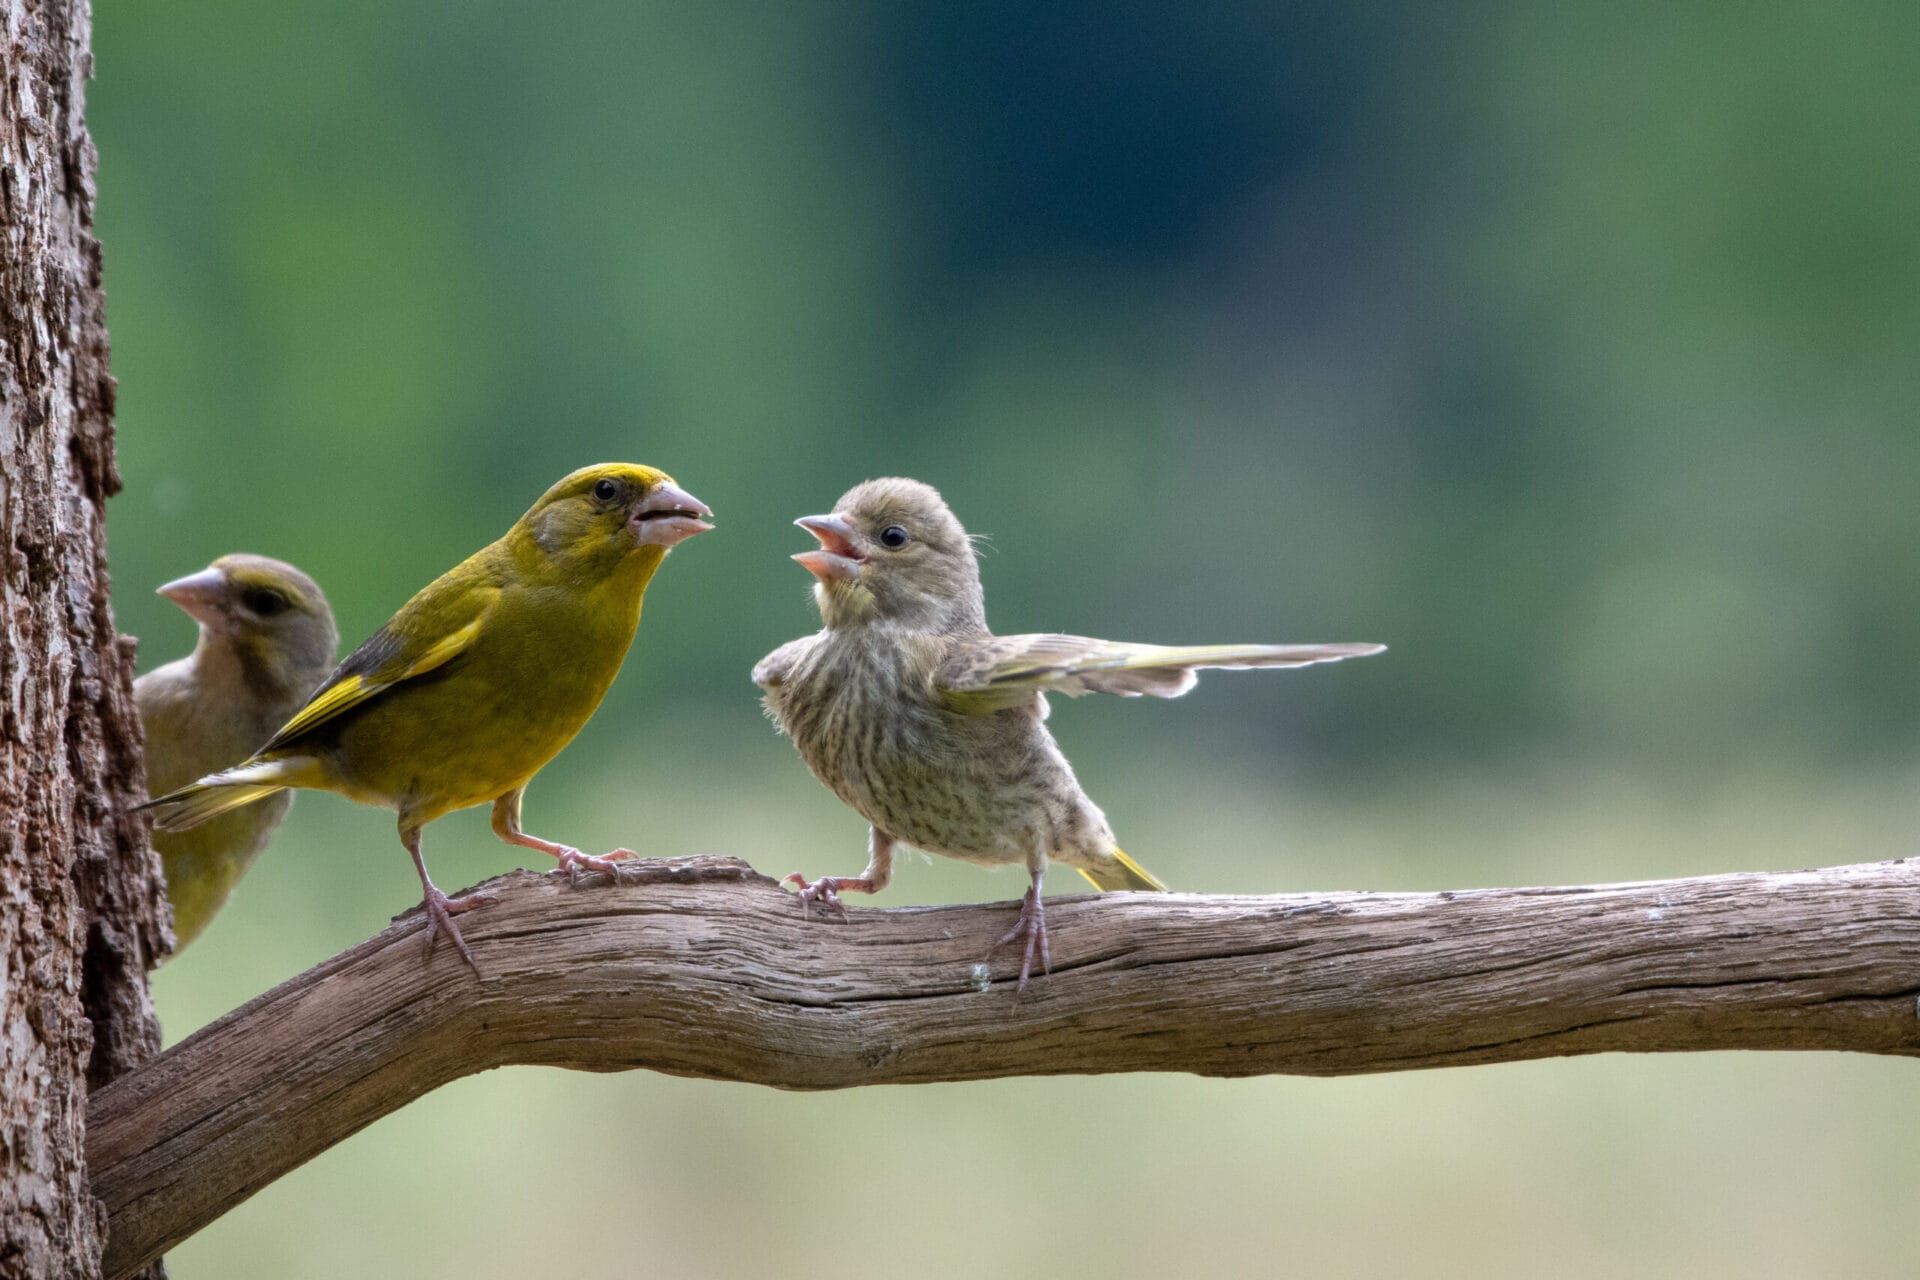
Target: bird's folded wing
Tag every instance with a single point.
(429, 631)
(1005, 671)
(771, 671)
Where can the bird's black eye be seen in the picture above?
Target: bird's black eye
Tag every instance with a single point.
(264, 601)
(606, 490)
(893, 537)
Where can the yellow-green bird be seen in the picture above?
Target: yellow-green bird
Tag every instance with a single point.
(267, 640)
(481, 678)
(932, 728)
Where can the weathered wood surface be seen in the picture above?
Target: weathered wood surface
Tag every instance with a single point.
(704, 968)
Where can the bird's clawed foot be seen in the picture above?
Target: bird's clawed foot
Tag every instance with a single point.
(827, 889)
(440, 913)
(1033, 928)
(573, 862)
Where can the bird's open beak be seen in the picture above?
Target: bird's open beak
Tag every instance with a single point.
(199, 594)
(668, 516)
(837, 560)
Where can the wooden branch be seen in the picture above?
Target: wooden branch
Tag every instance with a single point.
(702, 967)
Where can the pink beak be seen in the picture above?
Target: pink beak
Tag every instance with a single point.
(199, 594)
(837, 560)
(668, 516)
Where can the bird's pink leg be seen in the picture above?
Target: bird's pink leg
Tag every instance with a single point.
(828, 889)
(506, 825)
(440, 908)
(1033, 928)
(570, 858)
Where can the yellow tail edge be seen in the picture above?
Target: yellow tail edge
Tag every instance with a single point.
(1128, 875)
(192, 805)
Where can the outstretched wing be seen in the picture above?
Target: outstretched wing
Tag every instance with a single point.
(1006, 671)
(430, 630)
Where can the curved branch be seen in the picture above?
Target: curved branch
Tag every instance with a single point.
(701, 967)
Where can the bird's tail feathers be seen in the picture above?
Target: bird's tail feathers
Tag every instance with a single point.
(217, 793)
(1125, 873)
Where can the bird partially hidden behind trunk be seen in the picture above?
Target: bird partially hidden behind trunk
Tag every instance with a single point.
(932, 728)
(267, 640)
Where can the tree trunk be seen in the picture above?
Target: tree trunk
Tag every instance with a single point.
(81, 910)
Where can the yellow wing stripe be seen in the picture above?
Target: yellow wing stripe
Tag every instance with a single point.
(330, 703)
(444, 651)
(354, 690)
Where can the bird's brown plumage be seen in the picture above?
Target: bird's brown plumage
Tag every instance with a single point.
(267, 640)
(931, 727)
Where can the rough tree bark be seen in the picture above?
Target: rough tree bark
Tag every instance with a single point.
(81, 911)
(708, 970)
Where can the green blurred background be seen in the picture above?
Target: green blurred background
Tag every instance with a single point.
(1569, 350)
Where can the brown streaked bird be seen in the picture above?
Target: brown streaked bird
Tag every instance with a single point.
(267, 640)
(932, 728)
(480, 679)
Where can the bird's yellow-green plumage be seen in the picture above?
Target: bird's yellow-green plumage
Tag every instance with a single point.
(266, 641)
(932, 727)
(483, 676)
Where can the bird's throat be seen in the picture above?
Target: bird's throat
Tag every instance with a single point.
(843, 603)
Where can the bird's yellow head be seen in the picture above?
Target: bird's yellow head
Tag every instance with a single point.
(596, 519)
(273, 617)
(891, 551)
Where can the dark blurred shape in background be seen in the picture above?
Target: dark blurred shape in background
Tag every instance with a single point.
(1572, 357)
